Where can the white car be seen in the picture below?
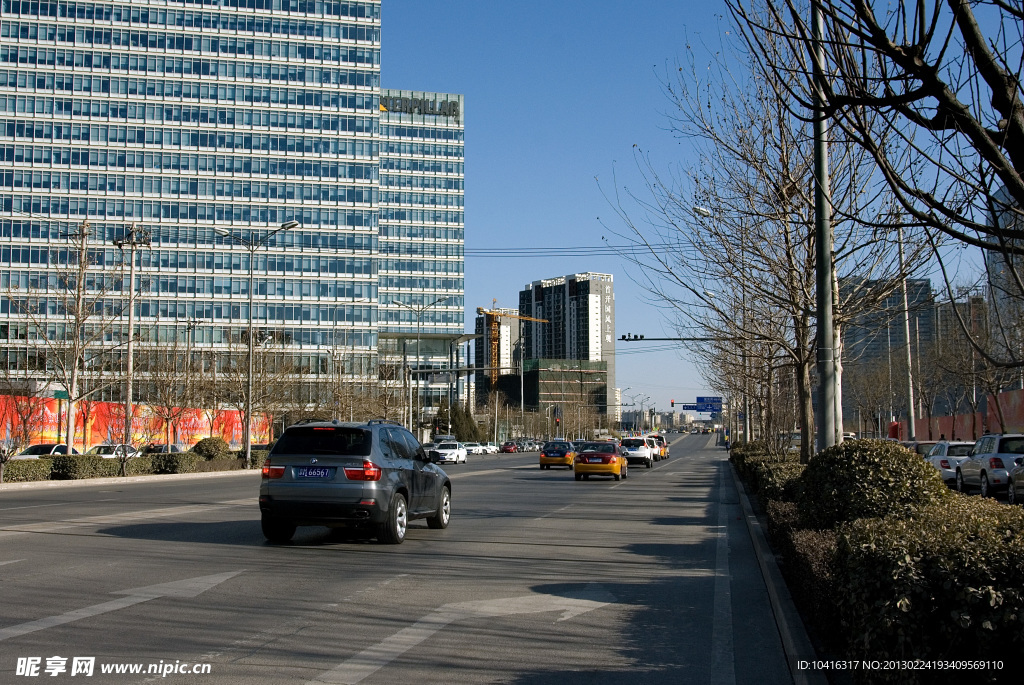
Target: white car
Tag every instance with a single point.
(114, 451)
(987, 469)
(946, 456)
(639, 449)
(474, 448)
(490, 448)
(450, 453)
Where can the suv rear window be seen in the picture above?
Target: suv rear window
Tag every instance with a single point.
(1011, 446)
(634, 443)
(343, 440)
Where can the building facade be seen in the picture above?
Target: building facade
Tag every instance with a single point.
(580, 313)
(208, 128)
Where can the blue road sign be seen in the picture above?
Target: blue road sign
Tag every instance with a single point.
(709, 400)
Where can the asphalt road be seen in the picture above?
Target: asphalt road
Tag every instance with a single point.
(539, 580)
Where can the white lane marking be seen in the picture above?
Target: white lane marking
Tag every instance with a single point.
(57, 504)
(190, 587)
(722, 654)
(552, 513)
(371, 660)
(126, 517)
(12, 561)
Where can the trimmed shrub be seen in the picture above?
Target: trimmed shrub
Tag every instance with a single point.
(175, 462)
(866, 479)
(25, 470)
(139, 466)
(77, 466)
(212, 448)
(949, 577)
(781, 518)
(810, 569)
(777, 480)
(229, 463)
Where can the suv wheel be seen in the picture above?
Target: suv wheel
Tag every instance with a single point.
(650, 462)
(444, 511)
(960, 487)
(275, 530)
(1011, 496)
(985, 489)
(392, 531)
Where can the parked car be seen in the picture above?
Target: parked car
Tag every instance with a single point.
(509, 447)
(158, 448)
(946, 456)
(43, 450)
(600, 459)
(490, 448)
(557, 453)
(374, 476)
(1015, 485)
(449, 453)
(639, 450)
(987, 468)
(474, 448)
(922, 447)
(114, 451)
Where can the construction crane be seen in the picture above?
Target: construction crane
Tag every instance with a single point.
(491, 317)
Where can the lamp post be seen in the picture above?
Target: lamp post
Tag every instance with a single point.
(419, 311)
(135, 237)
(252, 245)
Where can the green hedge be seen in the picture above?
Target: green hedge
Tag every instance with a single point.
(175, 462)
(229, 463)
(25, 470)
(77, 466)
(947, 582)
(866, 479)
(139, 466)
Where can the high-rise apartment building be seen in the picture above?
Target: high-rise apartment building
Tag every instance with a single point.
(210, 126)
(580, 310)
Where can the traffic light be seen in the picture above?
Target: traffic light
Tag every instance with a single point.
(673, 403)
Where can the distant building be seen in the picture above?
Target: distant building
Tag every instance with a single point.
(580, 310)
(508, 356)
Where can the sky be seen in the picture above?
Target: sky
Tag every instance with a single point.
(557, 94)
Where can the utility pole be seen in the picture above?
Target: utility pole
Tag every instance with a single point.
(823, 243)
(135, 237)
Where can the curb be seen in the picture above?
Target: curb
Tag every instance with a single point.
(43, 484)
(795, 642)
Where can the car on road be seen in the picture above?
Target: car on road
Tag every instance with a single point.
(600, 459)
(160, 448)
(449, 453)
(114, 451)
(490, 447)
(662, 444)
(370, 476)
(920, 447)
(43, 450)
(508, 447)
(987, 468)
(639, 450)
(557, 453)
(946, 455)
(473, 448)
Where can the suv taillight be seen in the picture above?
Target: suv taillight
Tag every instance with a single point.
(368, 471)
(995, 463)
(272, 471)
(944, 463)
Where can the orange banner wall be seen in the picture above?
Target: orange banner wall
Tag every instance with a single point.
(98, 423)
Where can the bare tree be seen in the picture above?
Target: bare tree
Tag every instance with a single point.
(932, 92)
(728, 244)
(68, 312)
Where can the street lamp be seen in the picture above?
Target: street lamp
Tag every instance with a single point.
(252, 245)
(135, 237)
(419, 311)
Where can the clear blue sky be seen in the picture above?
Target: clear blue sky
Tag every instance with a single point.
(556, 96)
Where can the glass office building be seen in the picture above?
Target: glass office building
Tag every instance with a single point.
(209, 126)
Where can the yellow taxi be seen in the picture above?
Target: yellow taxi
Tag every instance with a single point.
(557, 453)
(600, 459)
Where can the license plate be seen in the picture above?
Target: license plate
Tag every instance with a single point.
(631, 449)
(595, 460)
(314, 472)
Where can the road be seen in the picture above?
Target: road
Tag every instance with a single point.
(539, 580)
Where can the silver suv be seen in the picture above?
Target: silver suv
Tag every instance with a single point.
(987, 468)
(372, 476)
